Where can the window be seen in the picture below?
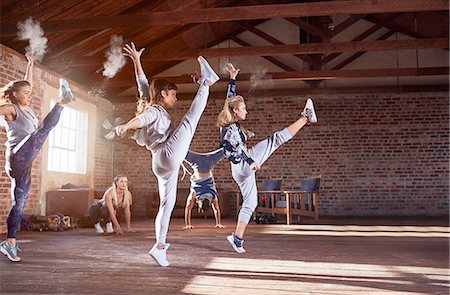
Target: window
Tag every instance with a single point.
(67, 147)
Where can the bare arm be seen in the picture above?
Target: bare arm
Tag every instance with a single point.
(188, 210)
(217, 215)
(29, 71)
(128, 218)
(8, 111)
(112, 214)
(141, 79)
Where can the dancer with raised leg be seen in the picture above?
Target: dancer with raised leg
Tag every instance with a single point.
(246, 161)
(24, 140)
(169, 144)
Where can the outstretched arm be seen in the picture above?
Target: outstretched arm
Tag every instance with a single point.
(231, 91)
(112, 214)
(188, 210)
(217, 215)
(141, 79)
(29, 71)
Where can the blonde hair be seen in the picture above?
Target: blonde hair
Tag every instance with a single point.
(127, 199)
(7, 92)
(157, 86)
(226, 116)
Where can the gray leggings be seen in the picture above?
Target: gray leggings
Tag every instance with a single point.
(245, 177)
(167, 159)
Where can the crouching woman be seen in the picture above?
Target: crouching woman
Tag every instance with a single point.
(116, 200)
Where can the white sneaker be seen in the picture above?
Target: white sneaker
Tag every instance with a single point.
(309, 111)
(64, 91)
(206, 72)
(98, 228)
(238, 245)
(160, 255)
(109, 228)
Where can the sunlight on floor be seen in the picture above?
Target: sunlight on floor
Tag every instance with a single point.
(360, 230)
(253, 276)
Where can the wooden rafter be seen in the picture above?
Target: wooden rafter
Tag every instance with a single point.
(312, 48)
(268, 58)
(252, 12)
(306, 26)
(310, 91)
(332, 74)
(355, 56)
(347, 23)
(365, 34)
(271, 39)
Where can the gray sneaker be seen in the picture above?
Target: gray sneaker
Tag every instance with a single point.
(10, 251)
(64, 91)
(309, 111)
(236, 243)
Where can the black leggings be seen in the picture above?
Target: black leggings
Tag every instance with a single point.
(99, 211)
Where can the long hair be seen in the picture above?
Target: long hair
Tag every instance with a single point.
(157, 86)
(226, 116)
(113, 189)
(6, 93)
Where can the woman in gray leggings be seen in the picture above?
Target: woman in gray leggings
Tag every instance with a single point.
(245, 162)
(169, 144)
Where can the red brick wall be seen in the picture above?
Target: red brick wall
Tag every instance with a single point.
(12, 67)
(379, 155)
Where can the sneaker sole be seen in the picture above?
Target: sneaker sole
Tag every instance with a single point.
(231, 241)
(151, 255)
(313, 117)
(7, 254)
(67, 89)
(205, 63)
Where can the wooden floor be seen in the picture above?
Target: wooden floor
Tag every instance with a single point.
(333, 257)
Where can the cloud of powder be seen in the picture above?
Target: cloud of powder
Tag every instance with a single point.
(32, 31)
(257, 81)
(115, 59)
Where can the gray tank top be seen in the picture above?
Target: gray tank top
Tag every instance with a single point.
(21, 127)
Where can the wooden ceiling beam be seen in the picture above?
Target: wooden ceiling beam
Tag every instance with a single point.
(306, 27)
(268, 58)
(308, 91)
(271, 39)
(311, 48)
(359, 54)
(330, 74)
(364, 35)
(347, 23)
(251, 12)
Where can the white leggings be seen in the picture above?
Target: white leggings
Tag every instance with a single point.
(245, 176)
(166, 161)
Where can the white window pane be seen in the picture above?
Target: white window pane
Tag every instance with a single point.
(67, 143)
(57, 160)
(50, 159)
(72, 160)
(71, 144)
(65, 117)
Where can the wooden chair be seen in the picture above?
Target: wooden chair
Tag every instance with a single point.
(270, 189)
(304, 202)
(269, 195)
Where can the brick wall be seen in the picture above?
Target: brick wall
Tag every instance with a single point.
(12, 67)
(379, 155)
